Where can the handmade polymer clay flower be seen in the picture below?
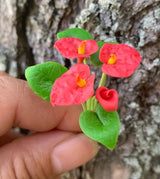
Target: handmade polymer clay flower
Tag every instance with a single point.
(55, 83)
(119, 60)
(73, 87)
(76, 48)
(107, 98)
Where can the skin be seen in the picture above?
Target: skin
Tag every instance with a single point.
(56, 145)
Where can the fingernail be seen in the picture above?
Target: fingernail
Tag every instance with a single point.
(73, 153)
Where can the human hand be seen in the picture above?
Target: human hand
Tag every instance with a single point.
(57, 145)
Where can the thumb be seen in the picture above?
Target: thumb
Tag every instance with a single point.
(45, 155)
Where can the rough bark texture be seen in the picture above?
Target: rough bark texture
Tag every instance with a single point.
(28, 32)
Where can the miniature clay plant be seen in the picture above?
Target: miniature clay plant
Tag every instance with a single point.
(55, 83)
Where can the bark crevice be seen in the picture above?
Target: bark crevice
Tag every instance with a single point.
(25, 55)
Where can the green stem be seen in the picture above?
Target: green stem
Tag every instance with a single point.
(95, 103)
(92, 103)
(84, 106)
(89, 103)
(103, 80)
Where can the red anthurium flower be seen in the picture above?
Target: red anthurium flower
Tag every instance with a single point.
(119, 60)
(71, 47)
(107, 98)
(73, 87)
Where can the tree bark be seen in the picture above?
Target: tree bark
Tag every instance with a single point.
(27, 35)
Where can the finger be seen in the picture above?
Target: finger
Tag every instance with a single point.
(9, 137)
(21, 107)
(45, 155)
(3, 73)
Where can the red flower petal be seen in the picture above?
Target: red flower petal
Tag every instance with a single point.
(66, 90)
(127, 59)
(107, 98)
(68, 47)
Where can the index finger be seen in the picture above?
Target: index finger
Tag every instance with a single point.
(21, 107)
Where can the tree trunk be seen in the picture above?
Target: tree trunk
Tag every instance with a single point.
(27, 35)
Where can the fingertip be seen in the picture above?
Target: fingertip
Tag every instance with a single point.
(73, 153)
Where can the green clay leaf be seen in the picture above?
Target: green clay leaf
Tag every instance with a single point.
(41, 77)
(112, 42)
(75, 32)
(101, 126)
(94, 58)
